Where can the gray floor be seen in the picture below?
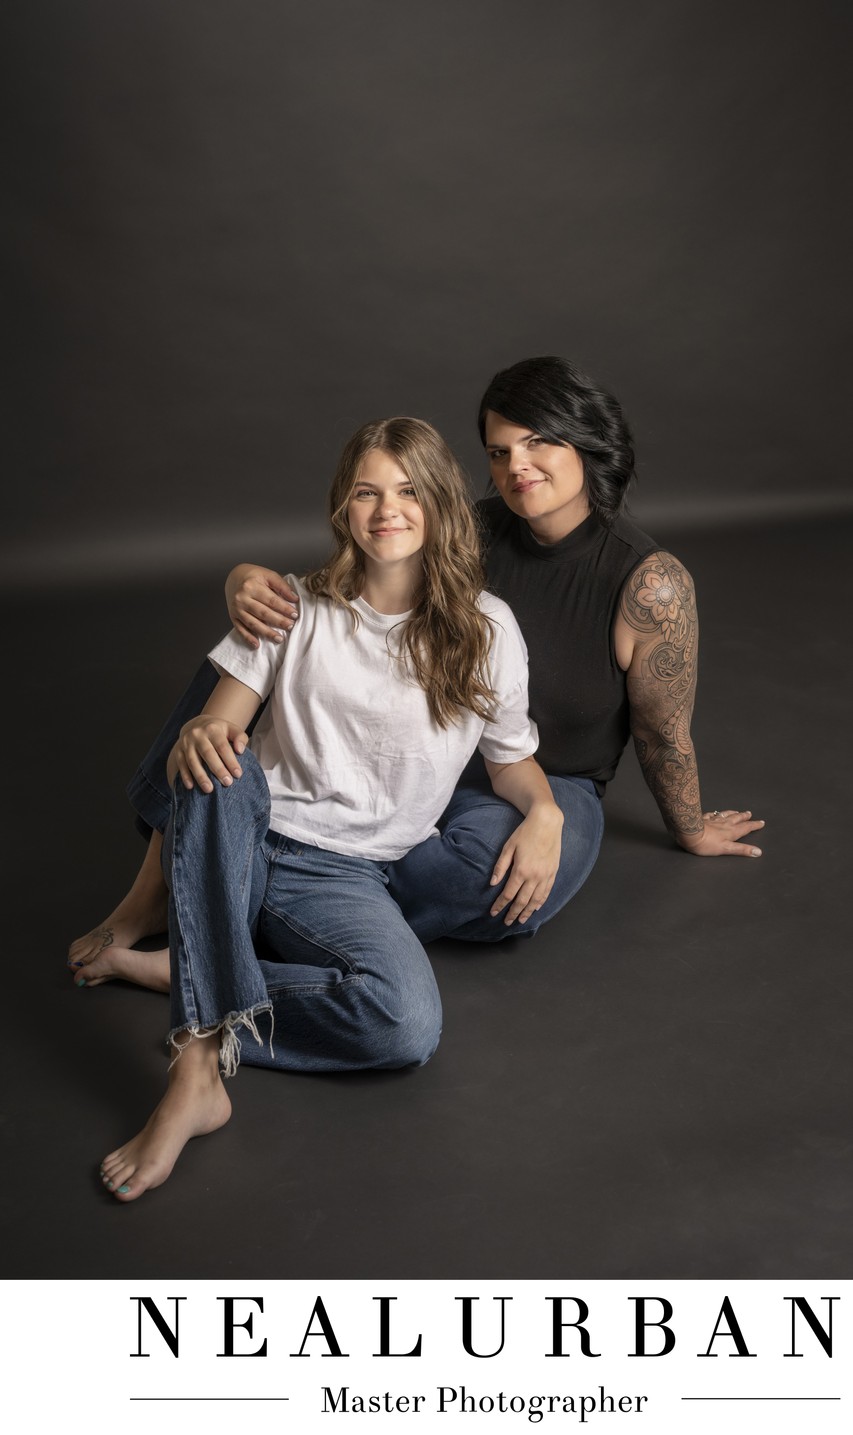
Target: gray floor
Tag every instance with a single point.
(658, 1085)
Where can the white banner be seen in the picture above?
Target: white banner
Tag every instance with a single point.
(683, 1356)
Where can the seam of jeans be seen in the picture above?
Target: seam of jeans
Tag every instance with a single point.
(310, 937)
(177, 858)
(251, 854)
(324, 989)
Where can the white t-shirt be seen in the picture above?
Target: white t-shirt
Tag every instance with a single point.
(354, 760)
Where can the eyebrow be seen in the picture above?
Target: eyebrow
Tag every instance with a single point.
(368, 483)
(523, 439)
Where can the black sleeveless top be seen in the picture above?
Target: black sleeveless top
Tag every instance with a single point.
(565, 597)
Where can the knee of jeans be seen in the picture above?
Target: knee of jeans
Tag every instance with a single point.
(251, 786)
(413, 1038)
(581, 844)
(480, 844)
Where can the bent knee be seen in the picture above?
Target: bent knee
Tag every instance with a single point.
(250, 787)
(412, 1039)
(479, 844)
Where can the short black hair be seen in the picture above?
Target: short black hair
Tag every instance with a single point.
(564, 406)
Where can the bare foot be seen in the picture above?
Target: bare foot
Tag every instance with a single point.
(142, 913)
(195, 1104)
(145, 969)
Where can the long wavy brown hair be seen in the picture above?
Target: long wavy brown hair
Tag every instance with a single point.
(445, 640)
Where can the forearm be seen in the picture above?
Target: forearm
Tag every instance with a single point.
(232, 701)
(658, 615)
(673, 780)
(531, 856)
(657, 625)
(525, 785)
(211, 742)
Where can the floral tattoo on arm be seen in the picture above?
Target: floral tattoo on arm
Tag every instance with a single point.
(659, 606)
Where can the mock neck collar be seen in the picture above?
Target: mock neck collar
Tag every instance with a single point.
(582, 538)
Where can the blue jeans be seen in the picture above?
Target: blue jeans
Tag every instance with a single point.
(442, 885)
(300, 957)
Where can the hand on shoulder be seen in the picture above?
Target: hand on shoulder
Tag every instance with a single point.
(260, 603)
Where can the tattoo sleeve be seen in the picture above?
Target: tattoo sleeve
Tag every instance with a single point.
(659, 606)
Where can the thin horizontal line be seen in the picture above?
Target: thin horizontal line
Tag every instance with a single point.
(209, 1397)
(761, 1397)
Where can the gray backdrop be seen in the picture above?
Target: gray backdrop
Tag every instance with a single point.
(240, 230)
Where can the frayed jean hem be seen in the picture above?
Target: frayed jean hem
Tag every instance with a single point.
(226, 1030)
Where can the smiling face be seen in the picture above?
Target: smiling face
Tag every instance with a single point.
(384, 516)
(542, 482)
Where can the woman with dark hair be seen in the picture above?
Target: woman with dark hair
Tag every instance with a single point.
(609, 618)
(564, 407)
(610, 624)
(286, 947)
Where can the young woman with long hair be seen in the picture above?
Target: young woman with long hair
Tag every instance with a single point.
(286, 947)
